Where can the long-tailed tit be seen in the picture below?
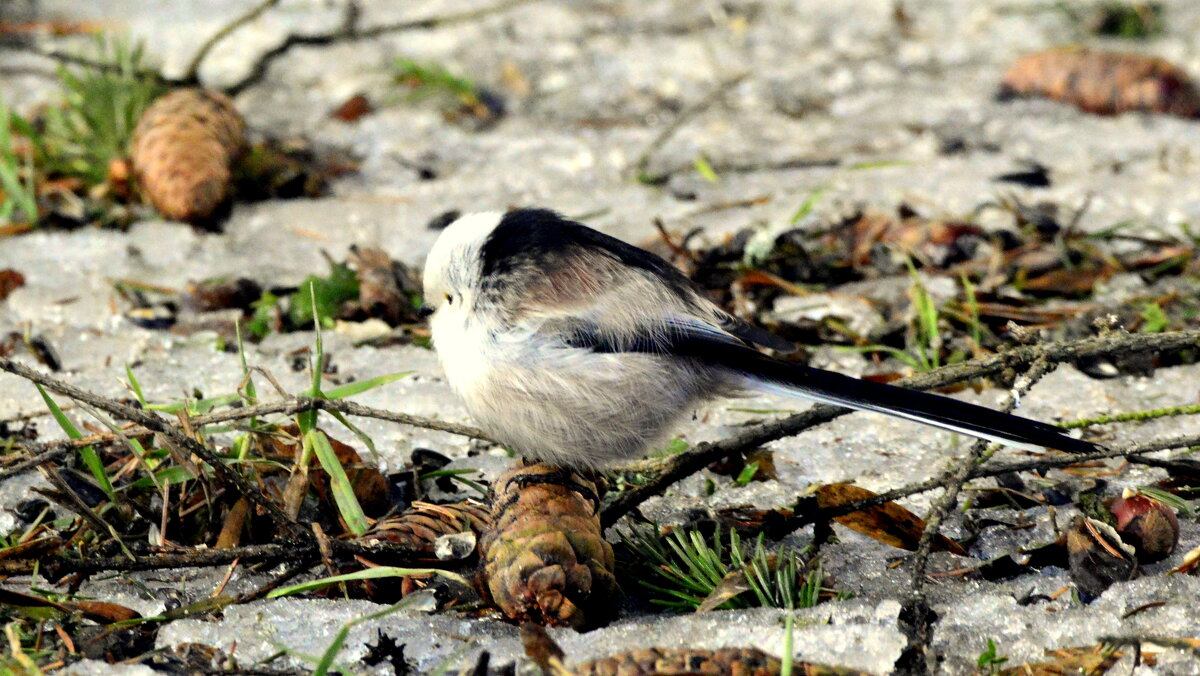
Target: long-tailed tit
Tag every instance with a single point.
(571, 346)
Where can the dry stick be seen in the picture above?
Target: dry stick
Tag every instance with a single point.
(152, 422)
(685, 116)
(289, 406)
(1127, 450)
(295, 405)
(920, 617)
(54, 450)
(75, 60)
(193, 70)
(677, 467)
(55, 566)
(350, 31)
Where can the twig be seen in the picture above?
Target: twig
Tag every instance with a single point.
(76, 504)
(1127, 450)
(432, 22)
(349, 31)
(1151, 414)
(76, 60)
(1180, 643)
(53, 451)
(55, 566)
(915, 658)
(642, 163)
(290, 406)
(154, 423)
(193, 70)
(677, 467)
(298, 404)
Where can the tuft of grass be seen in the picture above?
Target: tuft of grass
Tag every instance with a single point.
(683, 569)
(989, 662)
(1128, 20)
(320, 298)
(431, 79)
(18, 203)
(101, 107)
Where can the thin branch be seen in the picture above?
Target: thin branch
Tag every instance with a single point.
(152, 422)
(642, 164)
(350, 31)
(1124, 451)
(920, 617)
(431, 22)
(298, 404)
(193, 70)
(55, 566)
(76, 60)
(56, 449)
(677, 467)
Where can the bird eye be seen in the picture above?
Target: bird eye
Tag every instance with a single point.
(449, 299)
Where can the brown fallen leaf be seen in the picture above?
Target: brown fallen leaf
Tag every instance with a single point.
(370, 486)
(888, 523)
(1103, 82)
(10, 280)
(352, 109)
(98, 611)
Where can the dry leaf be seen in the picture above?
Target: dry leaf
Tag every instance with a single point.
(889, 523)
(1103, 82)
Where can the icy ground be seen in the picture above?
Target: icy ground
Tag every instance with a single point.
(597, 81)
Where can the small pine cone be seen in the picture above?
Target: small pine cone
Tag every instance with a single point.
(723, 662)
(423, 523)
(183, 152)
(1106, 83)
(545, 560)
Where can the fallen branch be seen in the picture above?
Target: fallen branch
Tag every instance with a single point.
(350, 31)
(76, 60)
(919, 628)
(1124, 451)
(300, 404)
(55, 566)
(193, 70)
(52, 451)
(674, 468)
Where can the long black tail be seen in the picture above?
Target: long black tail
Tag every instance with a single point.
(931, 409)
(712, 346)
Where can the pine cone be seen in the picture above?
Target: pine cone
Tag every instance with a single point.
(183, 152)
(724, 662)
(423, 523)
(545, 560)
(1107, 83)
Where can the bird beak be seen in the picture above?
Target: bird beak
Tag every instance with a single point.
(425, 311)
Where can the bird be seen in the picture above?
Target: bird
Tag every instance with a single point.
(573, 347)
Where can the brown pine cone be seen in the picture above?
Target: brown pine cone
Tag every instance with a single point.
(183, 152)
(423, 523)
(1107, 83)
(723, 662)
(545, 560)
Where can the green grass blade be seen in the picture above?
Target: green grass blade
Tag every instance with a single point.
(705, 169)
(135, 386)
(366, 574)
(351, 389)
(91, 459)
(343, 492)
